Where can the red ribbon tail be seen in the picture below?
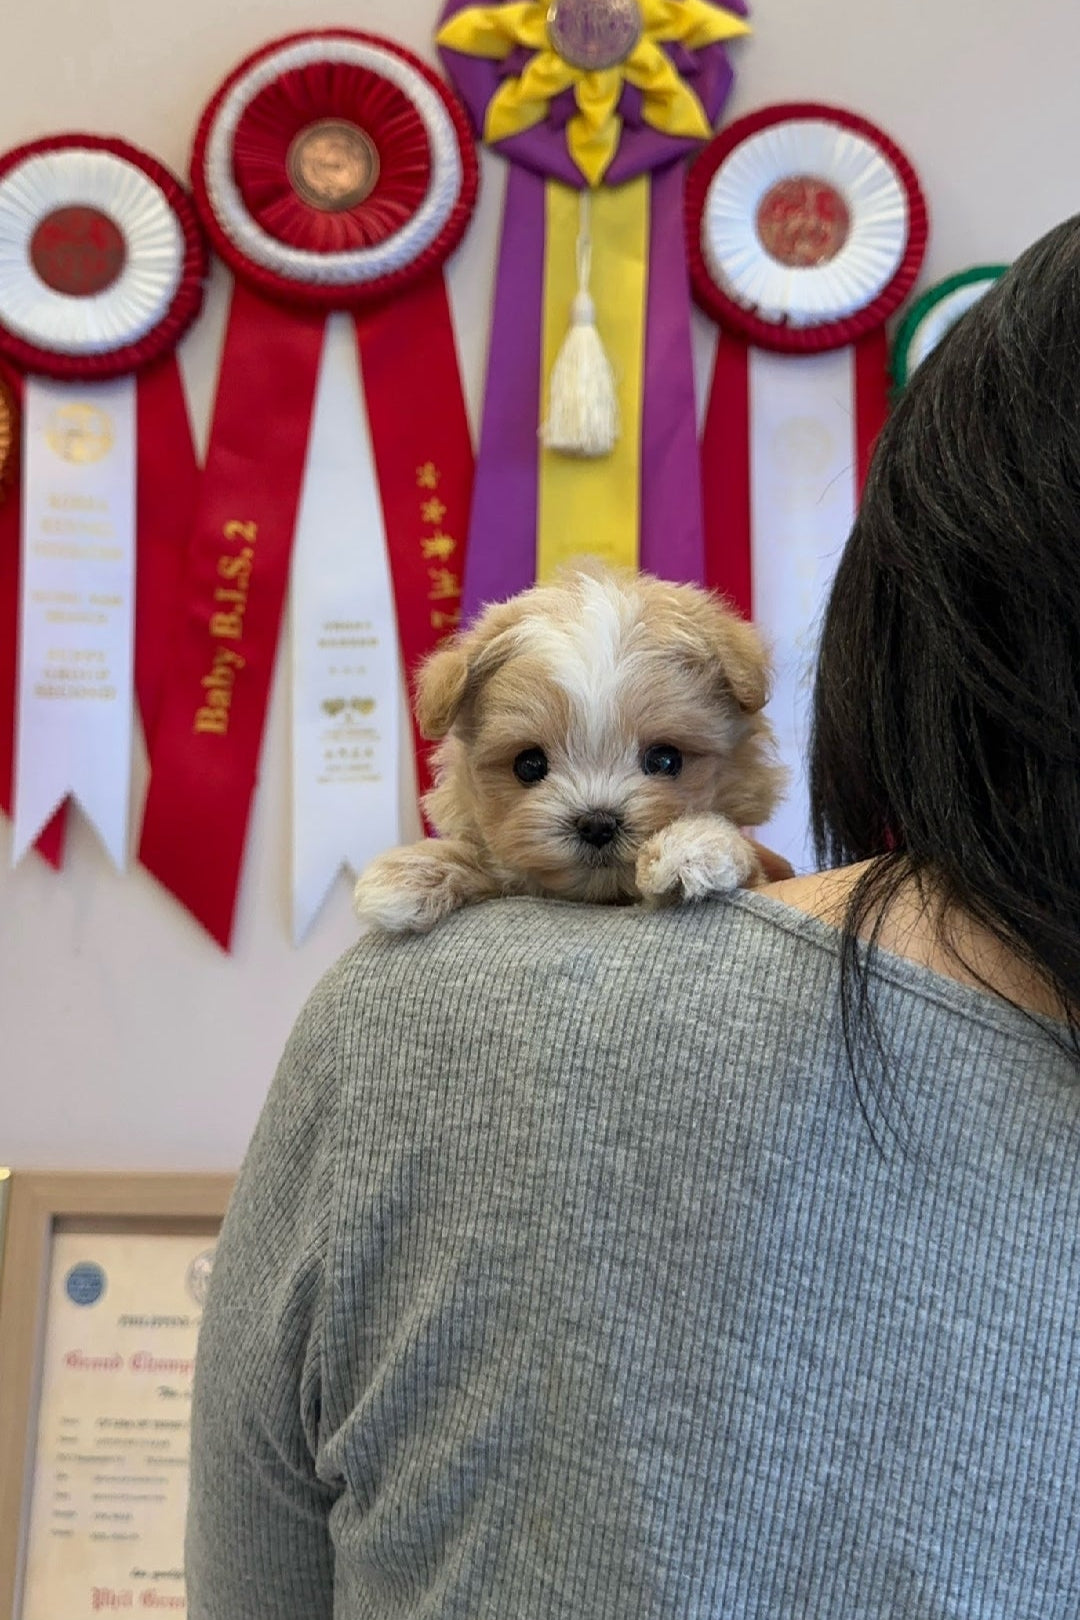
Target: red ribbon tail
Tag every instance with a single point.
(216, 689)
(871, 399)
(725, 476)
(168, 487)
(423, 465)
(50, 840)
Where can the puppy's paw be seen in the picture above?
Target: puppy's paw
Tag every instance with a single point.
(692, 858)
(409, 890)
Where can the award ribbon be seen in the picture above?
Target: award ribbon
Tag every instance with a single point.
(50, 841)
(101, 271)
(594, 106)
(934, 313)
(333, 171)
(806, 229)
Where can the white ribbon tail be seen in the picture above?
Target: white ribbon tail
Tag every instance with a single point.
(76, 621)
(37, 799)
(802, 469)
(346, 687)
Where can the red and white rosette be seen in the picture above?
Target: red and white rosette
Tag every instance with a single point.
(102, 266)
(334, 172)
(806, 230)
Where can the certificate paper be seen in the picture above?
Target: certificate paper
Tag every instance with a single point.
(106, 1528)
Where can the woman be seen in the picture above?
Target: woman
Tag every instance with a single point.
(596, 1263)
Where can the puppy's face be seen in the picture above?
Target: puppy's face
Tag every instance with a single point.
(584, 716)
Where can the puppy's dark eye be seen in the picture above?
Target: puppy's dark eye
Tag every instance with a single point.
(661, 760)
(530, 766)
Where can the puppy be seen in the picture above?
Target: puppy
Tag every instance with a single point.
(600, 739)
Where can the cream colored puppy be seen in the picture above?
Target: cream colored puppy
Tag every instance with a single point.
(601, 739)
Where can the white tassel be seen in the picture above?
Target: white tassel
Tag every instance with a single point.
(583, 410)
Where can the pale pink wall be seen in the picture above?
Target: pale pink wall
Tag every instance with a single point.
(126, 1038)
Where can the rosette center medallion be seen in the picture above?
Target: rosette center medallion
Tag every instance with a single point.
(594, 34)
(803, 221)
(78, 251)
(333, 165)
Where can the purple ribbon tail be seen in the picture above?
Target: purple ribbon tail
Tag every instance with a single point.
(672, 525)
(501, 555)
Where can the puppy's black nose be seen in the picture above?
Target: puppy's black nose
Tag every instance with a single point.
(597, 827)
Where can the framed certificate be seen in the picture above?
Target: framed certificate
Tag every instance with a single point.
(101, 1295)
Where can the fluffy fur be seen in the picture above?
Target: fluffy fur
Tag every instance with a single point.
(593, 670)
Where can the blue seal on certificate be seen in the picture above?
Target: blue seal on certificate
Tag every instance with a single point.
(198, 1277)
(85, 1283)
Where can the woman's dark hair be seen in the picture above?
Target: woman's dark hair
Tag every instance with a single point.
(946, 717)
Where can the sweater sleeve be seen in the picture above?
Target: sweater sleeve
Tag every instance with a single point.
(258, 1542)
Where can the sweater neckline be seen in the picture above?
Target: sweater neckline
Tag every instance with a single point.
(984, 1005)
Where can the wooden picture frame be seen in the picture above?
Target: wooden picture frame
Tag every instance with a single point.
(39, 1205)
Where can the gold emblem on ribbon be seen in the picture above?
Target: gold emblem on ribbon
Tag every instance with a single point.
(80, 433)
(9, 437)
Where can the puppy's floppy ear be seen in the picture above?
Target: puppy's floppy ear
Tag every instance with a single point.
(455, 669)
(729, 647)
(440, 688)
(740, 653)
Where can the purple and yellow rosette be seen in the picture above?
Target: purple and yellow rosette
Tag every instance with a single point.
(608, 95)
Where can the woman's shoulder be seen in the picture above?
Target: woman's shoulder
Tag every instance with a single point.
(536, 961)
(940, 947)
(527, 939)
(730, 997)
(780, 944)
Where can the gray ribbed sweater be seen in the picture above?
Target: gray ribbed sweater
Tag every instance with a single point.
(563, 1281)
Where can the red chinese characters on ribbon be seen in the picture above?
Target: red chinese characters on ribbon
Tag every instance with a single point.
(424, 463)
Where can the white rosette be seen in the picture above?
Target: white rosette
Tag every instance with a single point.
(806, 229)
(101, 269)
(871, 241)
(129, 306)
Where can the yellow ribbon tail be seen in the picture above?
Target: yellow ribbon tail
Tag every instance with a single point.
(594, 506)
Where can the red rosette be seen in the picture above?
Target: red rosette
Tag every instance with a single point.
(399, 162)
(806, 227)
(102, 262)
(333, 169)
